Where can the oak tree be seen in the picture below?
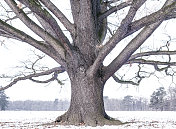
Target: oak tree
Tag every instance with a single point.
(91, 38)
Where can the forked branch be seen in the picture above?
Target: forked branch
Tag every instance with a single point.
(124, 81)
(9, 31)
(118, 36)
(38, 9)
(122, 58)
(134, 44)
(37, 29)
(67, 24)
(56, 70)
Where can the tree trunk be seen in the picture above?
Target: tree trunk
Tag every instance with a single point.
(87, 106)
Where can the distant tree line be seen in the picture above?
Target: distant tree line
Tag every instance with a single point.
(128, 103)
(160, 100)
(29, 105)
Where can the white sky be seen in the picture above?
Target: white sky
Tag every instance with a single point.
(13, 53)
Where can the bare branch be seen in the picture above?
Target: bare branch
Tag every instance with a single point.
(113, 9)
(15, 17)
(167, 12)
(15, 33)
(161, 69)
(118, 36)
(37, 29)
(135, 44)
(8, 35)
(151, 62)
(49, 23)
(53, 78)
(68, 25)
(130, 49)
(9, 31)
(171, 16)
(46, 17)
(56, 70)
(124, 81)
(134, 80)
(137, 55)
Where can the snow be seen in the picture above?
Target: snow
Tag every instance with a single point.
(140, 119)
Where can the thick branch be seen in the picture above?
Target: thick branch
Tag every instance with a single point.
(15, 33)
(15, 17)
(118, 36)
(54, 70)
(167, 12)
(37, 29)
(113, 9)
(129, 50)
(49, 23)
(171, 16)
(46, 26)
(151, 62)
(152, 53)
(8, 35)
(137, 42)
(11, 32)
(37, 8)
(67, 24)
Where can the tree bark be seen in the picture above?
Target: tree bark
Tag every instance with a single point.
(87, 106)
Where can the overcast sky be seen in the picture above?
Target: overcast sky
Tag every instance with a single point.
(14, 53)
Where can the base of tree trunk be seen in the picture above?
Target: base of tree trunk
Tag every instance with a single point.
(96, 120)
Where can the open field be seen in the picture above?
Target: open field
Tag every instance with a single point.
(35, 119)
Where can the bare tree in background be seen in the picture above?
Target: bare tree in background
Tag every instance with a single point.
(82, 55)
(3, 101)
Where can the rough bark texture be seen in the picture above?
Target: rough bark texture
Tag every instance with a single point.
(87, 106)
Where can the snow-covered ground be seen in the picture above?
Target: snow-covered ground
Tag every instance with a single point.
(35, 119)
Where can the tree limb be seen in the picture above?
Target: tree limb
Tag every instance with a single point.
(11, 32)
(8, 35)
(137, 55)
(155, 64)
(118, 36)
(38, 9)
(151, 62)
(112, 10)
(15, 17)
(167, 12)
(49, 23)
(124, 81)
(53, 78)
(53, 70)
(68, 25)
(130, 49)
(37, 29)
(136, 43)
(20, 35)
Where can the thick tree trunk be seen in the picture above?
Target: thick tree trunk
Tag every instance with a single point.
(87, 106)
